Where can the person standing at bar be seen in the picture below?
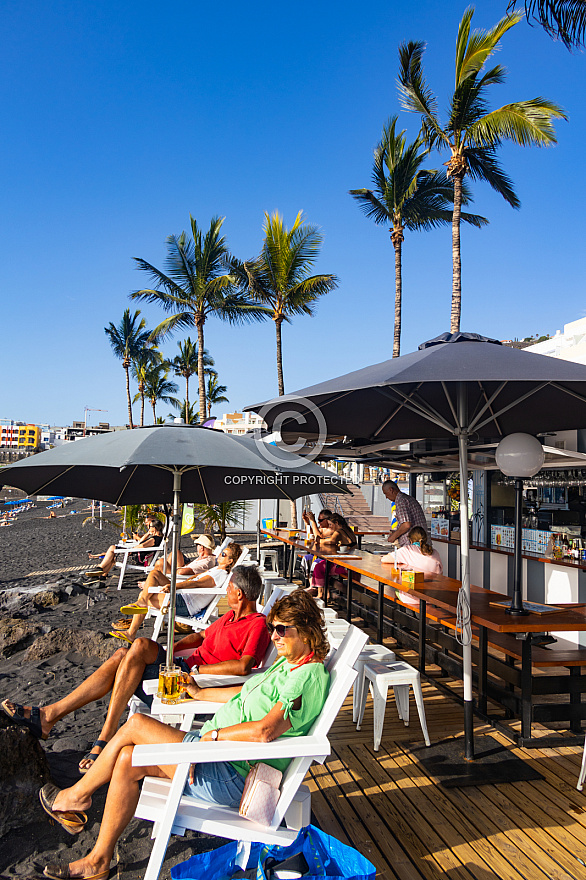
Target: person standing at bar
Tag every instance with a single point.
(408, 512)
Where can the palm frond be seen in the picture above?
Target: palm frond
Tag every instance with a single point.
(414, 93)
(527, 123)
(483, 165)
(372, 206)
(473, 51)
(561, 19)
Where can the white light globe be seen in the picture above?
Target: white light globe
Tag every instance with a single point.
(520, 455)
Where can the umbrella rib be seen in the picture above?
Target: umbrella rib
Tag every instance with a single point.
(451, 405)
(569, 391)
(488, 405)
(510, 406)
(38, 490)
(122, 491)
(419, 408)
(198, 469)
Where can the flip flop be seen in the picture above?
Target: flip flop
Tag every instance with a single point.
(134, 609)
(15, 712)
(121, 625)
(60, 871)
(122, 636)
(73, 821)
(101, 743)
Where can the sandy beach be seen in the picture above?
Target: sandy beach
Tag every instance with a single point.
(42, 560)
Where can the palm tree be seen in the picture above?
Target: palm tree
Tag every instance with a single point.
(144, 361)
(472, 133)
(195, 286)
(220, 516)
(185, 411)
(215, 392)
(186, 362)
(406, 197)
(279, 278)
(158, 387)
(565, 19)
(127, 340)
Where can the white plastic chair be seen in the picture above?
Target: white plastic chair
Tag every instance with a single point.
(163, 802)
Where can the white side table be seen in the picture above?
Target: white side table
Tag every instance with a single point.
(400, 676)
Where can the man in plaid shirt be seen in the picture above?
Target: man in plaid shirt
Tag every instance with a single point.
(407, 510)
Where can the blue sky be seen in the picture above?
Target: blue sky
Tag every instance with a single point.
(119, 120)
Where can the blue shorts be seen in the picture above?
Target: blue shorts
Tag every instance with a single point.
(151, 671)
(217, 783)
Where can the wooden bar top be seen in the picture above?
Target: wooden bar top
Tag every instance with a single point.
(442, 592)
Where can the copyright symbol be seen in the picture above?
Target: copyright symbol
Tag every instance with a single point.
(311, 413)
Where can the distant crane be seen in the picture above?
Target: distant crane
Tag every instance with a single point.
(87, 409)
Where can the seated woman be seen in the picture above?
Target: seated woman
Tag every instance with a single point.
(283, 701)
(331, 536)
(185, 606)
(418, 554)
(152, 538)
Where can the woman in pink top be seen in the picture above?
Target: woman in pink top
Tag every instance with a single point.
(418, 554)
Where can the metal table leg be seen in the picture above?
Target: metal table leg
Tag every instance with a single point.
(291, 562)
(327, 574)
(526, 712)
(349, 595)
(482, 668)
(422, 635)
(381, 602)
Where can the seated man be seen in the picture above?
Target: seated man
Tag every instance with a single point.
(233, 645)
(204, 561)
(152, 538)
(188, 604)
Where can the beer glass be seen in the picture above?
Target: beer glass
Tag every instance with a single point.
(169, 690)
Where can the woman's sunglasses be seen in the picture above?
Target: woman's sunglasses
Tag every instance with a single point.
(280, 629)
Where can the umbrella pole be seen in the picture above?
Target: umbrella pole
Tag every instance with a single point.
(464, 599)
(174, 547)
(258, 532)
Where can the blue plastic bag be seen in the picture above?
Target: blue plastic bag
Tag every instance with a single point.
(326, 857)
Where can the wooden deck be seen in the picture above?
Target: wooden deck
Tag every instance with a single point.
(386, 805)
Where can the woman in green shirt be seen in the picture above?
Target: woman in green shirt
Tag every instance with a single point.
(283, 701)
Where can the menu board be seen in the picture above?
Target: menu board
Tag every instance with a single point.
(440, 527)
(534, 540)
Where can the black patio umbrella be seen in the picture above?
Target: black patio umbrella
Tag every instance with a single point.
(170, 463)
(462, 385)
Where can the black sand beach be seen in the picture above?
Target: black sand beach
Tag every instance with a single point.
(35, 555)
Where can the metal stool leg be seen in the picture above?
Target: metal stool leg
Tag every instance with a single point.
(379, 693)
(419, 703)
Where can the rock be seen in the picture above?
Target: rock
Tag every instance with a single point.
(23, 770)
(47, 598)
(82, 641)
(16, 635)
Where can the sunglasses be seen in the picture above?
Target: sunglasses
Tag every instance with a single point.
(280, 629)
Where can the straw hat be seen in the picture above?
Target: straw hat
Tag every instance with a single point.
(204, 540)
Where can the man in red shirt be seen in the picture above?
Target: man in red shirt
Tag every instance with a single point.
(232, 645)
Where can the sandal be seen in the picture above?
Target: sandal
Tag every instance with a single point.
(60, 871)
(73, 821)
(122, 624)
(90, 756)
(134, 609)
(15, 712)
(122, 636)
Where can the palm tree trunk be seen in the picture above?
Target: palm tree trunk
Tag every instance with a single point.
(280, 382)
(127, 369)
(456, 258)
(154, 412)
(200, 369)
(186, 393)
(397, 239)
(141, 408)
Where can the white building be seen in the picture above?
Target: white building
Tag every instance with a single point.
(569, 345)
(239, 423)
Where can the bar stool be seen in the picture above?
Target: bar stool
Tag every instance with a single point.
(270, 580)
(400, 676)
(273, 555)
(369, 652)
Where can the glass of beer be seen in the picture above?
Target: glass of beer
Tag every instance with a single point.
(169, 690)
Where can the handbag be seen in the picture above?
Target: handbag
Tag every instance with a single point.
(261, 794)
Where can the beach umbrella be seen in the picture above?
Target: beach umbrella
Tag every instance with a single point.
(460, 385)
(170, 463)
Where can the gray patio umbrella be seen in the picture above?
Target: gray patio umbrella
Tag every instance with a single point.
(462, 385)
(169, 463)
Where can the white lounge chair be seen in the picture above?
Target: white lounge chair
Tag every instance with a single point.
(163, 802)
